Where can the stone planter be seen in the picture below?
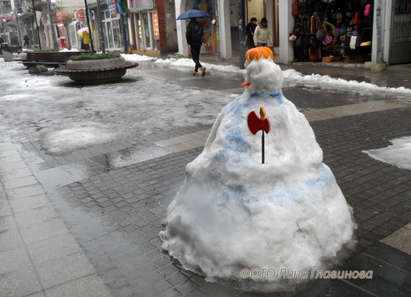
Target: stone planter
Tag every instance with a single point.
(49, 59)
(96, 71)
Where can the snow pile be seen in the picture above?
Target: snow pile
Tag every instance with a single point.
(233, 214)
(69, 50)
(397, 154)
(294, 77)
(137, 58)
(71, 139)
(184, 62)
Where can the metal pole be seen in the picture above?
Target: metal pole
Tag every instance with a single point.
(37, 25)
(17, 23)
(124, 31)
(53, 32)
(88, 25)
(100, 28)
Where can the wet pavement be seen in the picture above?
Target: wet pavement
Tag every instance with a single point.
(85, 222)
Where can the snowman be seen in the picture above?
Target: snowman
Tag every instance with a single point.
(259, 222)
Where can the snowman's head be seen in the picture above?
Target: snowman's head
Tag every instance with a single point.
(262, 72)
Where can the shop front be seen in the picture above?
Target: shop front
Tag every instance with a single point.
(399, 33)
(111, 28)
(152, 26)
(225, 31)
(331, 31)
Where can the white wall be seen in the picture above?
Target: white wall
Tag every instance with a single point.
(181, 28)
(224, 29)
(286, 25)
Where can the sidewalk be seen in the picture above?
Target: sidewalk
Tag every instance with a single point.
(38, 254)
(393, 76)
(86, 223)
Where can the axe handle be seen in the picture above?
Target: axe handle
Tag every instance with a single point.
(263, 147)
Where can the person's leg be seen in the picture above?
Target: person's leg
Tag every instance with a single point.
(195, 52)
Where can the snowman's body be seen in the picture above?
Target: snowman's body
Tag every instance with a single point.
(234, 214)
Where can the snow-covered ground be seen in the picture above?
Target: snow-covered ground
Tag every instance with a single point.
(291, 77)
(65, 117)
(397, 154)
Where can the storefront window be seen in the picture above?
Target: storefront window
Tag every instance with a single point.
(332, 31)
(116, 33)
(144, 30)
(210, 30)
(112, 36)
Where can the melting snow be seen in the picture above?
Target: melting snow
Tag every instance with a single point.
(291, 77)
(71, 139)
(397, 154)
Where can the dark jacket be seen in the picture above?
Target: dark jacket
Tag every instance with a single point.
(250, 29)
(194, 34)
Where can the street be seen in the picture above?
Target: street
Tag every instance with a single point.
(87, 174)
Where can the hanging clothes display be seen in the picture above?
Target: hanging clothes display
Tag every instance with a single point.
(332, 30)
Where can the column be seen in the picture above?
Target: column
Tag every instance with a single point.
(224, 29)
(181, 28)
(286, 24)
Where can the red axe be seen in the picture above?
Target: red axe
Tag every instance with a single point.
(256, 124)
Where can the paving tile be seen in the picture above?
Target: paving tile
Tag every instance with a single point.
(29, 203)
(26, 191)
(10, 239)
(91, 286)
(20, 182)
(45, 230)
(15, 259)
(5, 209)
(31, 217)
(11, 175)
(64, 269)
(401, 239)
(40, 294)
(19, 283)
(53, 248)
(7, 223)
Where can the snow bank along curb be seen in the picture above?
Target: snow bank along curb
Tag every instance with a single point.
(291, 76)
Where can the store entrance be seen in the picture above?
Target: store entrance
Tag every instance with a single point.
(332, 30)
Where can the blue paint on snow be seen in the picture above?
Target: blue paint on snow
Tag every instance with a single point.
(235, 141)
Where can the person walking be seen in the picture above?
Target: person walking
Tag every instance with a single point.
(85, 41)
(262, 36)
(26, 41)
(194, 36)
(250, 29)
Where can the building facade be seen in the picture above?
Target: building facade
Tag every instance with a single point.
(152, 26)
(377, 31)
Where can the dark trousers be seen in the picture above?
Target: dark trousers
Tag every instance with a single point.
(195, 54)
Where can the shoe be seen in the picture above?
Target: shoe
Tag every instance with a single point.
(195, 73)
(203, 71)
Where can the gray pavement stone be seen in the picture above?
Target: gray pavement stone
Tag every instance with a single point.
(19, 283)
(12, 260)
(53, 248)
(43, 231)
(29, 203)
(90, 286)
(64, 269)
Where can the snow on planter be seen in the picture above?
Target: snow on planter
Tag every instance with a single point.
(235, 219)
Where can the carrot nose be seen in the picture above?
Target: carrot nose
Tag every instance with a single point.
(246, 84)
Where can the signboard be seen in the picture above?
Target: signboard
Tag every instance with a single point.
(137, 5)
(5, 18)
(156, 29)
